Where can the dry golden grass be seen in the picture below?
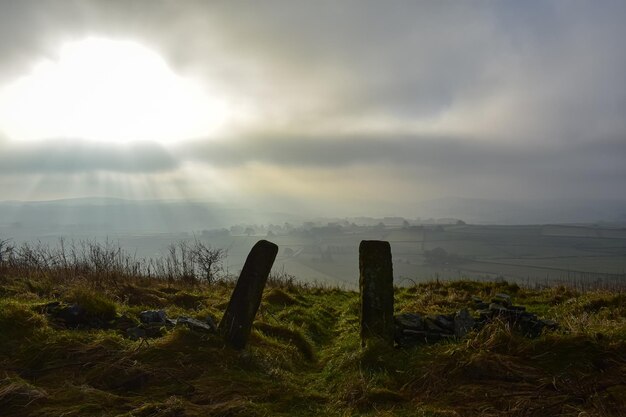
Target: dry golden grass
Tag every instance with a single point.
(304, 356)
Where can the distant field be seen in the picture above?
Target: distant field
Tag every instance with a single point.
(518, 253)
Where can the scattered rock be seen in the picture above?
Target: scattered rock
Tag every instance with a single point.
(155, 322)
(156, 317)
(152, 316)
(196, 325)
(152, 323)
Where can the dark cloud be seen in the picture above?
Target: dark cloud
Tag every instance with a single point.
(79, 156)
(449, 152)
(453, 164)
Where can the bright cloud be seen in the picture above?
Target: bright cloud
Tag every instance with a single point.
(107, 90)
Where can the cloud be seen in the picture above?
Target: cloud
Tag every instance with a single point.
(72, 156)
(449, 152)
(442, 165)
(538, 72)
(492, 99)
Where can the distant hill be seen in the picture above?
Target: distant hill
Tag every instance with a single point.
(475, 210)
(102, 215)
(98, 215)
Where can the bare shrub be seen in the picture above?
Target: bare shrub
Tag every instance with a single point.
(106, 263)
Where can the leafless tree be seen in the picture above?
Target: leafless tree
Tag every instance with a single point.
(209, 260)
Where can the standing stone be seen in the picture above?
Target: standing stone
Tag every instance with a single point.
(246, 298)
(376, 286)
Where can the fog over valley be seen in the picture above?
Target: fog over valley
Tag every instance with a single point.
(525, 242)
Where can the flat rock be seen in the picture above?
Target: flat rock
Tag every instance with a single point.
(445, 322)
(502, 298)
(411, 321)
(195, 324)
(431, 325)
(156, 317)
(497, 307)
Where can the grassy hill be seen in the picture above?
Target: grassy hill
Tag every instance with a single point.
(304, 357)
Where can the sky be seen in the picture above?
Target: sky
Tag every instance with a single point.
(324, 107)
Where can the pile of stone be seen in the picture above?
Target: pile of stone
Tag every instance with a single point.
(502, 308)
(413, 329)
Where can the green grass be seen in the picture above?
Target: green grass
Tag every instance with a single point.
(304, 356)
(95, 304)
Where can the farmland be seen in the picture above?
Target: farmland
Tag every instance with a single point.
(327, 254)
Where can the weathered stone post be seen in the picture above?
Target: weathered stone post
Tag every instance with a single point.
(236, 324)
(376, 286)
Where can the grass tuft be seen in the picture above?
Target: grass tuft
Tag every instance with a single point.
(18, 321)
(187, 300)
(94, 303)
(16, 393)
(290, 336)
(279, 297)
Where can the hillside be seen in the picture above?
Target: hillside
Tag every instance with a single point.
(304, 357)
